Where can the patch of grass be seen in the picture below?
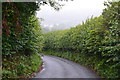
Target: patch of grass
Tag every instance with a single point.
(20, 66)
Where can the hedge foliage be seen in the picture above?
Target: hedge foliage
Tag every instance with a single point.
(96, 37)
(21, 31)
(21, 39)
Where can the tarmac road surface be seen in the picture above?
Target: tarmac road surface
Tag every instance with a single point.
(55, 67)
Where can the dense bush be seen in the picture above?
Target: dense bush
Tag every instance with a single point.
(21, 39)
(97, 38)
(21, 29)
(20, 66)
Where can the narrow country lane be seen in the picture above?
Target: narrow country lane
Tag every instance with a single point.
(55, 67)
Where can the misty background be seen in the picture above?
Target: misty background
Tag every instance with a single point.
(70, 15)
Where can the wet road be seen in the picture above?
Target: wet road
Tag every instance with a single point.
(55, 67)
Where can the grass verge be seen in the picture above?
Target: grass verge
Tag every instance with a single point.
(20, 66)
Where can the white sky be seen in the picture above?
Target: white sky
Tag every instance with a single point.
(72, 14)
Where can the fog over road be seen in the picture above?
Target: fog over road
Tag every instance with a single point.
(55, 67)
